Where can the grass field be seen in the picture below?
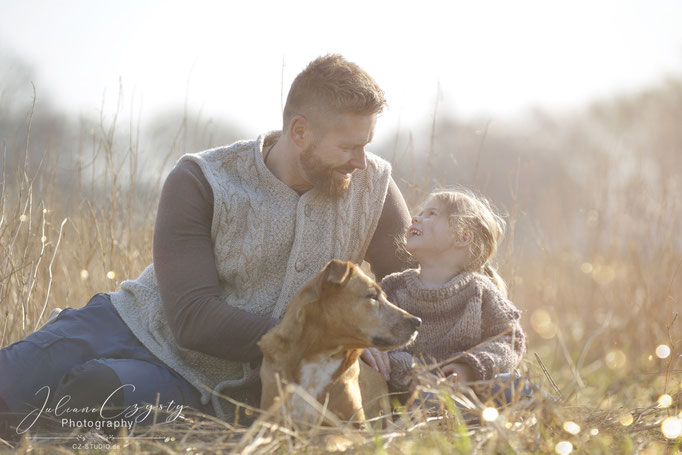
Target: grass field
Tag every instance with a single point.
(593, 258)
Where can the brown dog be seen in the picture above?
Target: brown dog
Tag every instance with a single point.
(336, 314)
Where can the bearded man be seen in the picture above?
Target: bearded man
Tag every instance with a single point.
(239, 230)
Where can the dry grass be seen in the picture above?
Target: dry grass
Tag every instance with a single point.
(596, 268)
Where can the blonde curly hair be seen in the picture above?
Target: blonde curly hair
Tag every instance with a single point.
(468, 212)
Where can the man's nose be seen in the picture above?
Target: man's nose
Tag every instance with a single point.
(359, 160)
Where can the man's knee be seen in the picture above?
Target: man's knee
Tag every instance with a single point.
(86, 388)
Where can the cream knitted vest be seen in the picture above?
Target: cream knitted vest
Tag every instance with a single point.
(268, 241)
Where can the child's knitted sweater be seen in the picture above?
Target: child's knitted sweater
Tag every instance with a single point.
(463, 313)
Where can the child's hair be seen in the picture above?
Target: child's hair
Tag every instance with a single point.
(469, 212)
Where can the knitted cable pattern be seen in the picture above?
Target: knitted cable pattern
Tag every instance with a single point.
(268, 241)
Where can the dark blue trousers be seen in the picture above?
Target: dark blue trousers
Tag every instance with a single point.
(85, 360)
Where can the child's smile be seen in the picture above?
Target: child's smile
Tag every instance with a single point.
(430, 231)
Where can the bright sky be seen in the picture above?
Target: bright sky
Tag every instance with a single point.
(229, 58)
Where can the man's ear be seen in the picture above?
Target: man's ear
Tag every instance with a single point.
(299, 131)
(337, 273)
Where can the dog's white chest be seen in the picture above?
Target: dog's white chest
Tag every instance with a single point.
(318, 373)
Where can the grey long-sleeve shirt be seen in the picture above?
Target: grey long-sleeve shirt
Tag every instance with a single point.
(186, 272)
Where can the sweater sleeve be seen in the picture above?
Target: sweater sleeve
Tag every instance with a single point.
(401, 367)
(186, 273)
(383, 253)
(504, 341)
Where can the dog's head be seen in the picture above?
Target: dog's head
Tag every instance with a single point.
(353, 310)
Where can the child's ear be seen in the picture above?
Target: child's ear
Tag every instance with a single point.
(464, 239)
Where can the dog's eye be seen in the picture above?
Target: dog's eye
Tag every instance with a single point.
(373, 297)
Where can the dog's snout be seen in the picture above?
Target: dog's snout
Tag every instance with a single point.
(416, 322)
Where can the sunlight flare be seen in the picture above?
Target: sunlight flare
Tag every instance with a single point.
(490, 414)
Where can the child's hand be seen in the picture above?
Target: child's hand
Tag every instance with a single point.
(461, 372)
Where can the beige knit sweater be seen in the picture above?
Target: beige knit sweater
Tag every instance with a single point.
(461, 314)
(268, 241)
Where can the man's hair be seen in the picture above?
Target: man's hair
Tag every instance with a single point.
(330, 85)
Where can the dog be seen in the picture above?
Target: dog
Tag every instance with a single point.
(333, 317)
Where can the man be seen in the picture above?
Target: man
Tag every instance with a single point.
(239, 230)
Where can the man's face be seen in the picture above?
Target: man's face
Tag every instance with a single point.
(330, 160)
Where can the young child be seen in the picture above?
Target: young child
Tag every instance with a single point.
(456, 292)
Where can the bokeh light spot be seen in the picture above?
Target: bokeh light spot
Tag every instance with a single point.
(615, 359)
(663, 351)
(490, 414)
(594, 431)
(671, 427)
(626, 419)
(111, 275)
(571, 427)
(85, 274)
(563, 448)
(542, 323)
(665, 401)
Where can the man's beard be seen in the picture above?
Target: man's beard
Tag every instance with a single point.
(321, 175)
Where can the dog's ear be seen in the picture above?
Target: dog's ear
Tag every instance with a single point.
(337, 272)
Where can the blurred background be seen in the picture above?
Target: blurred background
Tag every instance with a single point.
(567, 115)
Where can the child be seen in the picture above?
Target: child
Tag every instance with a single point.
(456, 292)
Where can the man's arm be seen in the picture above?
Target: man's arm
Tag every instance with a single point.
(186, 273)
(385, 258)
(383, 254)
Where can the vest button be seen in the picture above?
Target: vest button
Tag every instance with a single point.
(308, 210)
(300, 266)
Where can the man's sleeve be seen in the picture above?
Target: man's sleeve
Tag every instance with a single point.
(186, 273)
(383, 253)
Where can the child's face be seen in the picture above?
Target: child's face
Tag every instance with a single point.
(430, 233)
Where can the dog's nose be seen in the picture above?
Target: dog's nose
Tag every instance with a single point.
(416, 322)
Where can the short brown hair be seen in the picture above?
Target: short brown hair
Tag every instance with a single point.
(332, 85)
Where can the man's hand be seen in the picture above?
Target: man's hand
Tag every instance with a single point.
(378, 360)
